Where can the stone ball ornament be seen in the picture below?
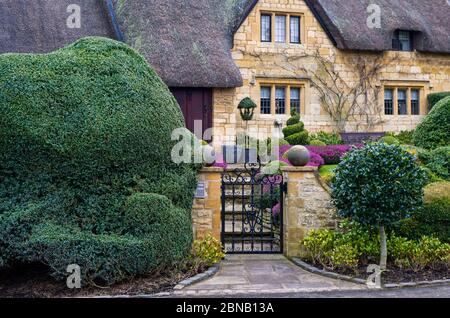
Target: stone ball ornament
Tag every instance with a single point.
(298, 156)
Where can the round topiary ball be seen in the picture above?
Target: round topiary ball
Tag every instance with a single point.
(298, 156)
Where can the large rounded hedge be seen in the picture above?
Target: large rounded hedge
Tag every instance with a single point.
(85, 163)
(434, 131)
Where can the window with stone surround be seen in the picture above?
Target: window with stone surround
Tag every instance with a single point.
(280, 28)
(295, 99)
(389, 102)
(286, 27)
(266, 28)
(415, 102)
(402, 100)
(280, 100)
(266, 99)
(281, 97)
(295, 29)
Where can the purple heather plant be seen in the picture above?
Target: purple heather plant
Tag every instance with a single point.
(332, 154)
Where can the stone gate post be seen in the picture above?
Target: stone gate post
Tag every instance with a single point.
(307, 206)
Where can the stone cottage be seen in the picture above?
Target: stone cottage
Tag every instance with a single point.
(354, 66)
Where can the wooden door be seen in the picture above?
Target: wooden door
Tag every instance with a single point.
(196, 105)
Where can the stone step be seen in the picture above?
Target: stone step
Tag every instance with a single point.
(256, 247)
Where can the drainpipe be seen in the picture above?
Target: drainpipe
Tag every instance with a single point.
(113, 18)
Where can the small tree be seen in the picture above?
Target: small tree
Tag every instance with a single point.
(377, 186)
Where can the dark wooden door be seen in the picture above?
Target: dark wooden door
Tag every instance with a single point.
(196, 105)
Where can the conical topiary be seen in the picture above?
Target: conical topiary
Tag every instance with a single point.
(295, 132)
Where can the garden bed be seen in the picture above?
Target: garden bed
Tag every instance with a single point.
(393, 275)
(34, 281)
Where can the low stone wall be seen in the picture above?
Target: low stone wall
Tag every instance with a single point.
(307, 206)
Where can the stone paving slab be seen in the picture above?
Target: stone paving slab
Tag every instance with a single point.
(263, 274)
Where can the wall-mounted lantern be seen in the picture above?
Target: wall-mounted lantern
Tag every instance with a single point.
(247, 108)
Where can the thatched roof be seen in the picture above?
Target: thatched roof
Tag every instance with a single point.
(39, 26)
(188, 42)
(346, 23)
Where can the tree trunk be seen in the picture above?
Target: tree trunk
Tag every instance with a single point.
(383, 254)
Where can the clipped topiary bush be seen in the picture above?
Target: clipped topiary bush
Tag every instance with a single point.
(295, 133)
(434, 131)
(439, 162)
(434, 98)
(378, 186)
(85, 163)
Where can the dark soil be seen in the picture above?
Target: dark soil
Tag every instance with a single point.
(395, 275)
(34, 281)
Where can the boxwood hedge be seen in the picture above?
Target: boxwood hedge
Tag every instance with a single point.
(434, 131)
(85, 163)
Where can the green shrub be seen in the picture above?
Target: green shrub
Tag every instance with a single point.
(427, 252)
(300, 138)
(433, 219)
(404, 137)
(434, 131)
(390, 140)
(358, 247)
(316, 142)
(378, 184)
(327, 173)
(421, 154)
(209, 250)
(438, 161)
(344, 256)
(328, 138)
(295, 133)
(319, 244)
(293, 129)
(434, 98)
(85, 163)
(294, 120)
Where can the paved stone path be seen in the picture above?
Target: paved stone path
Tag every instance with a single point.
(259, 275)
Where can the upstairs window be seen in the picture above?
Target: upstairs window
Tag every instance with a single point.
(280, 100)
(415, 102)
(403, 41)
(266, 99)
(295, 29)
(389, 102)
(280, 28)
(266, 28)
(402, 107)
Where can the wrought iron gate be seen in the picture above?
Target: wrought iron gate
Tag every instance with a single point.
(252, 211)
